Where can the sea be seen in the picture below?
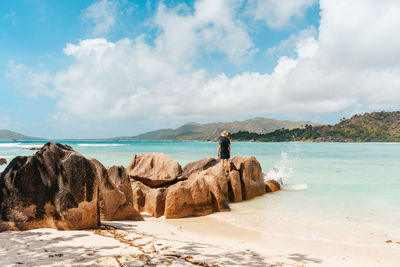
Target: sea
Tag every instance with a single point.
(346, 193)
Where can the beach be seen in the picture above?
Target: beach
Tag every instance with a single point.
(203, 241)
(200, 133)
(338, 207)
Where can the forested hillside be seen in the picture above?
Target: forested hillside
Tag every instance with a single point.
(369, 127)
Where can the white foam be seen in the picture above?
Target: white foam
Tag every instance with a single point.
(19, 145)
(10, 145)
(294, 187)
(100, 145)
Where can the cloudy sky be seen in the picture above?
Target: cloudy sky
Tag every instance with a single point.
(71, 69)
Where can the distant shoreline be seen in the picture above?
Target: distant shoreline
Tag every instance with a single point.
(185, 141)
(361, 128)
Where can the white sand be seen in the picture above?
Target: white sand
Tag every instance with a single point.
(201, 241)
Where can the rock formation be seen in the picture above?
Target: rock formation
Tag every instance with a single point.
(197, 196)
(198, 165)
(202, 188)
(3, 161)
(272, 186)
(154, 170)
(120, 178)
(251, 176)
(59, 188)
(150, 200)
(56, 187)
(115, 194)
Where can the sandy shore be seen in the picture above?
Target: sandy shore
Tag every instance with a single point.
(202, 241)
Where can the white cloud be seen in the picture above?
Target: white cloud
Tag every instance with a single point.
(287, 46)
(278, 14)
(102, 15)
(360, 34)
(353, 62)
(30, 82)
(212, 27)
(133, 78)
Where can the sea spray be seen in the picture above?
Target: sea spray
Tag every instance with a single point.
(282, 170)
(282, 173)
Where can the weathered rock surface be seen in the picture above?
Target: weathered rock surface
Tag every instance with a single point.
(197, 196)
(150, 200)
(115, 195)
(3, 161)
(252, 179)
(154, 170)
(272, 186)
(230, 183)
(120, 178)
(234, 186)
(54, 188)
(198, 165)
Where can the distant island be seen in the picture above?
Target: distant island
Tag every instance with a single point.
(193, 131)
(369, 127)
(10, 136)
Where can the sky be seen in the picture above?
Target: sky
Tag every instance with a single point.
(96, 69)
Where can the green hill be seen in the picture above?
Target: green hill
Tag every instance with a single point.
(369, 127)
(10, 136)
(196, 131)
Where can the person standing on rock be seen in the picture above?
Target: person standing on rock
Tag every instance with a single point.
(224, 150)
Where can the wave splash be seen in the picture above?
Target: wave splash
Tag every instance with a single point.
(282, 172)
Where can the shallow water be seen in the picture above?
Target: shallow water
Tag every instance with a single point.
(344, 192)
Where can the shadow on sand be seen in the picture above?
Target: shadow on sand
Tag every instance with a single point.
(119, 244)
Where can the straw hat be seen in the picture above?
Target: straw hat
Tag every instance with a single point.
(224, 134)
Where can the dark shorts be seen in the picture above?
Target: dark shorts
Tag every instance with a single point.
(224, 155)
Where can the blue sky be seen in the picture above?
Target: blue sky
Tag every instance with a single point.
(87, 69)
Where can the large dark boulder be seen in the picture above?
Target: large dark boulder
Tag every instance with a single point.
(55, 188)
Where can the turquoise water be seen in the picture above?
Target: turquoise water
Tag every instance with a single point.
(328, 187)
